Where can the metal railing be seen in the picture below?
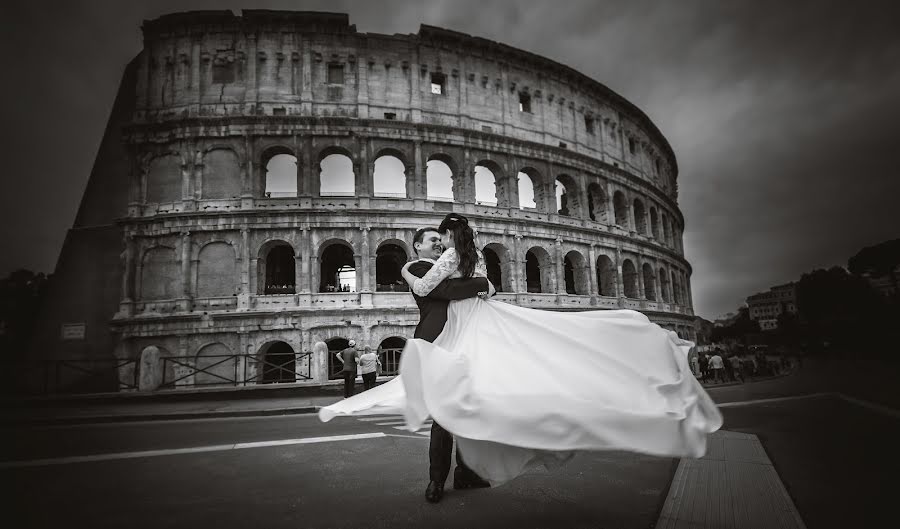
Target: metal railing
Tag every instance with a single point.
(70, 376)
(234, 370)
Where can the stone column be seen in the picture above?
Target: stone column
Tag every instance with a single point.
(629, 210)
(640, 278)
(620, 279)
(592, 270)
(196, 86)
(310, 175)
(364, 183)
(610, 205)
(305, 258)
(517, 268)
(559, 280)
(186, 264)
(364, 261)
(252, 85)
(362, 77)
(417, 188)
(244, 292)
(128, 275)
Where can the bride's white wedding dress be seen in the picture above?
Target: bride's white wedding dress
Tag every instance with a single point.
(519, 387)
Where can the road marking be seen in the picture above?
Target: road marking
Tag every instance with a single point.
(421, 435)
(870, 405)
(776, 399)
(177, 451)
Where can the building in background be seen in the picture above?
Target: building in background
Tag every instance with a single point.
(261, 178)
(765, 307)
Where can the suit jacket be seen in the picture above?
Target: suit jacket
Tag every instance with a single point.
(433, 307)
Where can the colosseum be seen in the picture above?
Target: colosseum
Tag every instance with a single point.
(262, 175)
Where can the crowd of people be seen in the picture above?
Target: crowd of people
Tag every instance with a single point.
(723, 365)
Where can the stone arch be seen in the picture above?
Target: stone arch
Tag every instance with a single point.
(597, 203)
(389, 174)
(620, 206)
(221, 174)
(337, 267)
(654, 223)
(160, 274)
(390, 256)
(568, 196)
(630, 279)
(163, 179)
(278, 174)
(277, 363)
(216, 270)
(487, 189)
(640, 217)
(664, 285)
(499, 266)
(649, 281)
(337, 172)
(276, 268)
(441, 182)
(575, 272)
(606, 276)
(215, 364)
(538, 270)
(389, 351)
(528, 189)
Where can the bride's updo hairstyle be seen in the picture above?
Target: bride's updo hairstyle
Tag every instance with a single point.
(464, 239)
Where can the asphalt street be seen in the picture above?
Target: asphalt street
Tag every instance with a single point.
(836, 458)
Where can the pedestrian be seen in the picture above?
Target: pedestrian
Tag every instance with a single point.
(736, 372)
(718, 367)
(704, 367)
(368, 365)
(350, 357)
(695, 365)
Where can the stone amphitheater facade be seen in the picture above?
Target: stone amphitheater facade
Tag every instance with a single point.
(181, 244)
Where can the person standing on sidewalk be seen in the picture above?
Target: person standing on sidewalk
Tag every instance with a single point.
(350, 357)
(735, 362)
(368, 365)
(718, 368)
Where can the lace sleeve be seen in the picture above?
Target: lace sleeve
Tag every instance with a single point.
(480, 267)
(446, 265)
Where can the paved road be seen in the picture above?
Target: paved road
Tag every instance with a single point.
(837, 459)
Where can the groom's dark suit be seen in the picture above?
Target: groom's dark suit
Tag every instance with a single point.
(432, 318)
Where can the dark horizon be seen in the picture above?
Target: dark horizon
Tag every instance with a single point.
(782, 119)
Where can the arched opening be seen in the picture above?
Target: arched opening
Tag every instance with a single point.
(335, 367)
(654, 223)
(336, 177)
(499, 266)
(280, 269)
(676, 289)
(537, 270)
(494, 272)
(439, 179)
(389, 260)
(215, 365)
(338, 268)
(526, 191)
(221, 175)
(649, 282)
(664, 285)
(568, 201)
(630, 279)
(597, 203)
(575, 270)
(278, 364)
(606, 276)
(160, 274)
(281, 173)
(485, 186)
(389, 351)
(640, 216)
(389, 178)
(621, 209)
(164, 179)
(216, 271)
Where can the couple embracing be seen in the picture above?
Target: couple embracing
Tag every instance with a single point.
(519, 387)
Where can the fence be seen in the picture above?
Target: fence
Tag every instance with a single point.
(235, 369)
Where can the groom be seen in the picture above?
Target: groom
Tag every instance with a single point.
(432, 318)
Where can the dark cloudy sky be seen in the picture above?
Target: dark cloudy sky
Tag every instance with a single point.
(784, 116)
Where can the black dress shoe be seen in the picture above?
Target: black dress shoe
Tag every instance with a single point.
(470, 481)
(434, 492)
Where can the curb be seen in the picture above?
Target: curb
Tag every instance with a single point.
(176, 416)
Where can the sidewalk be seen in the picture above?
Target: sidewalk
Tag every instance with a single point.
(181, 404)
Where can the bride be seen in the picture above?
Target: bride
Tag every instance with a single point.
(520, 387)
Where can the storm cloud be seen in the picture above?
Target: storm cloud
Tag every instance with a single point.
(784, 117)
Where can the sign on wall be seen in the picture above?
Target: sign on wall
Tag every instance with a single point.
(72, 331)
